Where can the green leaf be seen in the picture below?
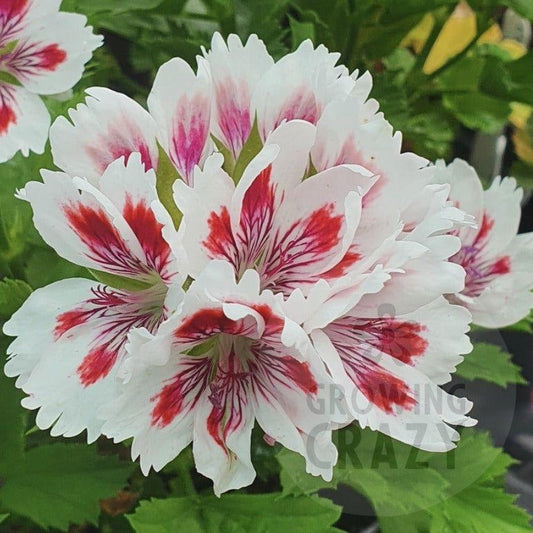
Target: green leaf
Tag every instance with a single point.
(522, 7)
(13, 293)
(116, 6)
(232, 513)
(510, 81)
(381, 469)
(300, 31)
(12, 421)
(478, 111)
(251, 148)
(375, 465)
(120, 282)
(480, 509)
(59, 484)
(43, 266)
(490, 363)
(3, 517)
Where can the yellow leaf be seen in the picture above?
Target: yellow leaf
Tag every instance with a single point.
(418, 36)
(522, 146)
(520, 114)
(493, 35)
(515, 49)
(456, 34)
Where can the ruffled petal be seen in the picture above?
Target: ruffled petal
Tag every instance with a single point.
(51, 51)
(108, 126)
(235, 69)
(70, 340)
(86, 227)
(180, 102)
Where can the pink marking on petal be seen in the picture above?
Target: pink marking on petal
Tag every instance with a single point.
(480, 271)
(50, 57)
(97, 364)
(300, 105)
(270, 441)
(233, 110)
(148, 230)
(384, 390)
(189, 133)
(117, 151)
(487, 224)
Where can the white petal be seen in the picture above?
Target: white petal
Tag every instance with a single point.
(24, 122)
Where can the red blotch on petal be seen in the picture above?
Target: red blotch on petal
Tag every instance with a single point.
(50, 57)
(7, 117)
(486, 226)
(273, 322)
(501, 266)
(220, 242)
(97, 364)
(68, 320)
(399, 339)
(148, 230)
(340, 269)
(105, 244)
(205, 323)
(384, 390)
(181, 392)
(300, 374)
(11, 8)
(169, 404)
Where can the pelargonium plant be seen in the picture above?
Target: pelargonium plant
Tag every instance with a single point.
(264, 254)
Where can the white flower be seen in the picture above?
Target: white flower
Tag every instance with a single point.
(71, 334)
(319, 259)
(228, 359)
(44, 52)
(497, 261)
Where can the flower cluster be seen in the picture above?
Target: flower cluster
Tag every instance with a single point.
(42, 52)
(264, 253)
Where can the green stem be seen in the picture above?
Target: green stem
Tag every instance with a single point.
(184, 475)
